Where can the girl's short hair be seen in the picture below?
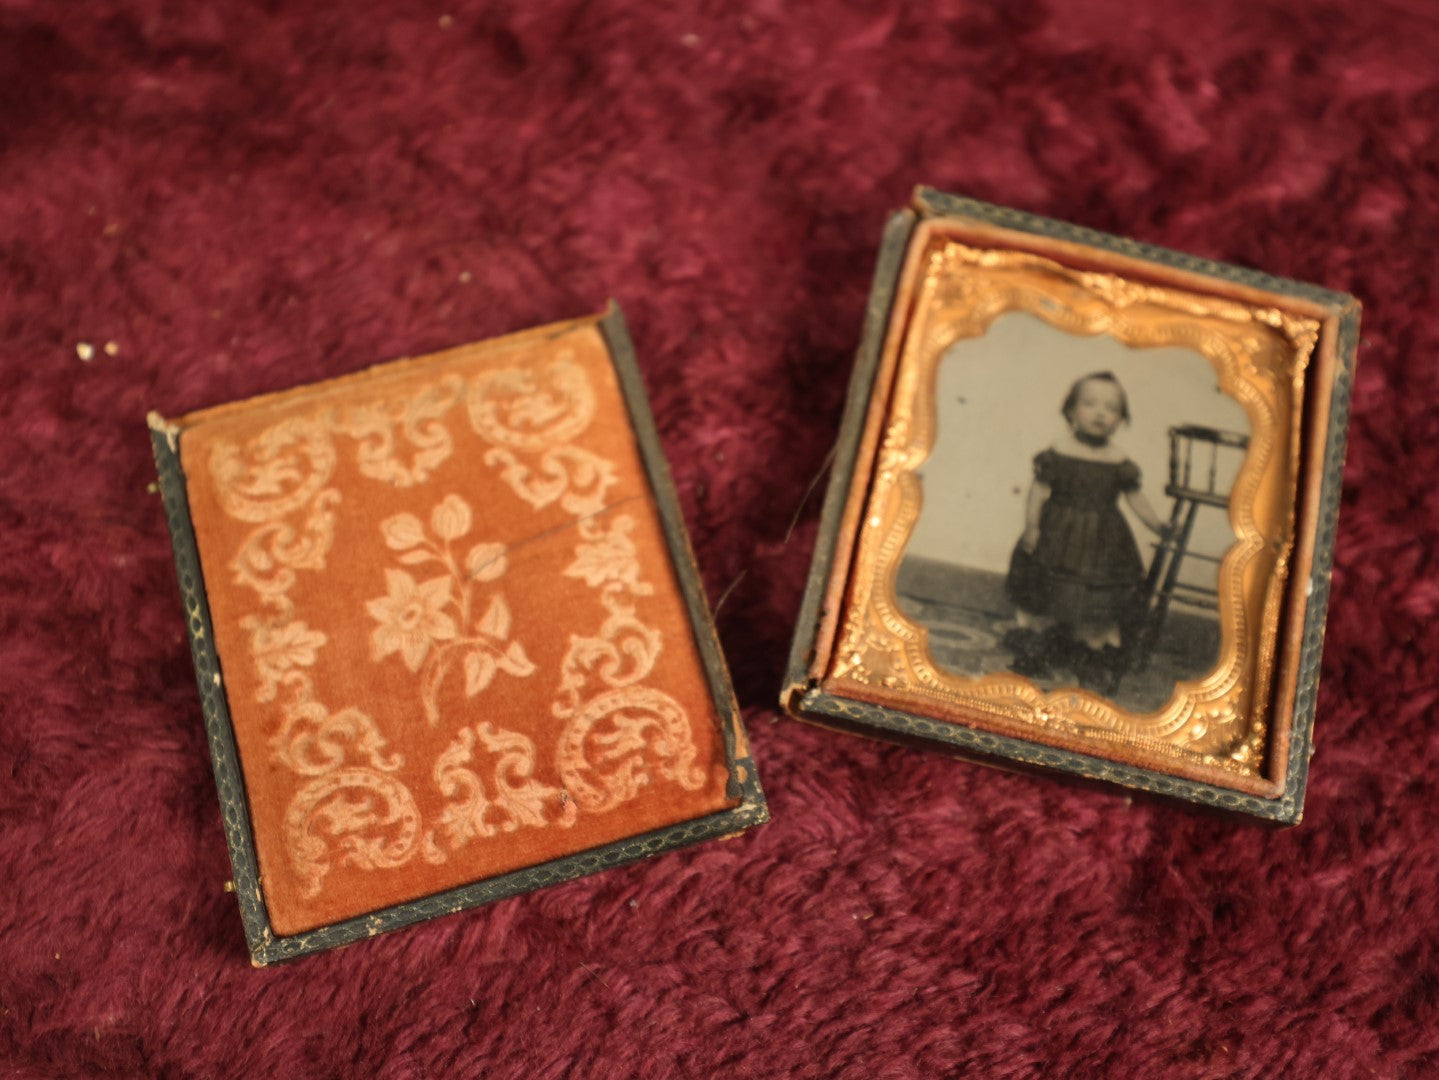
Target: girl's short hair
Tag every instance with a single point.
(1072, 398)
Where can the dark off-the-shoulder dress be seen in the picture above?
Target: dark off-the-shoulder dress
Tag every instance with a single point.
(1086, 567)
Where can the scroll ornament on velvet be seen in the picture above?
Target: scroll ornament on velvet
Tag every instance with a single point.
(452, 641)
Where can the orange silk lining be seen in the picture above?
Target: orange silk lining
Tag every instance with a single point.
(452, 640)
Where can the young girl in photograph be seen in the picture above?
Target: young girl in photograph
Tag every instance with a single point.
(1076, 575)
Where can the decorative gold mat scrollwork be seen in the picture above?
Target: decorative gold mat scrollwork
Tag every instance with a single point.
(1260, 356)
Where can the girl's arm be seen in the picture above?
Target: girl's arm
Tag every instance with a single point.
(1038, 494)
(1140, 505)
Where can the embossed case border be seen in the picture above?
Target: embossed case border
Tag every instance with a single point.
(803, 696)
(265, 946)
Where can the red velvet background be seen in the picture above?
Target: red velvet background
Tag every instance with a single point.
(242, 196)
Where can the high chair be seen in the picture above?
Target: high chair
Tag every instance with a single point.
(1199, 457)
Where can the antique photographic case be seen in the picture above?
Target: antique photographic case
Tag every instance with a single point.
(450, 640)
(1082, 510)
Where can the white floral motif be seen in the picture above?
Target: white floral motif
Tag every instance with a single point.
(618, 734)
(513, 799)
(276, 473)
(411, 618)
(610, 559)
(369, 816)
(403, 531)
(618, 741)
(622, 735)
(314, 741)
(486, 562)
(418, 418)
(532, 409)
(578, 478)
(439, 612)
(625, 650)
(279, 647)
(272, 552)
(452, 518)
(528, 416)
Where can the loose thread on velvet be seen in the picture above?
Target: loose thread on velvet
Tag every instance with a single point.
(596, 976)
(725, 595)
(518, 544)
(808, 491)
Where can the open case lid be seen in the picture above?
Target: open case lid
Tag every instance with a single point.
(860, 661)
(450, 639)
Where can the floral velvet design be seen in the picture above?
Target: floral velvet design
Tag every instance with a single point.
(446, 615)
(438, 612)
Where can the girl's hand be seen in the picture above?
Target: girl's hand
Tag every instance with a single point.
(1030, 540)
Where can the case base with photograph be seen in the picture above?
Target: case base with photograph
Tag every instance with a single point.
(1082, 510)
(450, 639)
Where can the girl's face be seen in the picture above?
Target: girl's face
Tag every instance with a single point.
(1098, 409)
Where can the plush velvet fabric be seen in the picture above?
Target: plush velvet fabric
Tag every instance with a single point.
(237, 197)
(452, 640)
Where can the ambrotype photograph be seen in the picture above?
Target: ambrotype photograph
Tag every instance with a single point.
(1074, 512)
(1082, 509)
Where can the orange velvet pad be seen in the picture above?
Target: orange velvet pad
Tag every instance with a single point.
(451, 636)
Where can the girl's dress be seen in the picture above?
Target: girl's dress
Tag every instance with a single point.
(1086, 567)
